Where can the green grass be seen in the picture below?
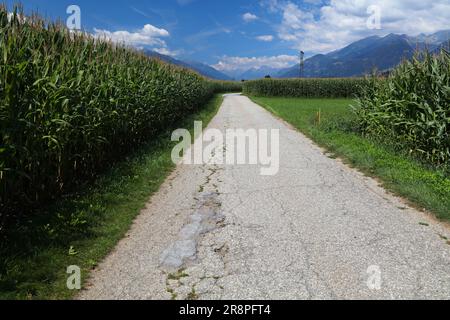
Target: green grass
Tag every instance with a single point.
(82, 228)
(424, 186)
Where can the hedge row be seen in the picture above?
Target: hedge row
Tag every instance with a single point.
(71, 104)
(310, 88)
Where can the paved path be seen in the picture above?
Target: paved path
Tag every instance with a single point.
(317, 230)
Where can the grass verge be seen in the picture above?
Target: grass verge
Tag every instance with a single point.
(82, 228)
(329, 123)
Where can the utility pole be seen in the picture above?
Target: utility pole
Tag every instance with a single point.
(302, 64)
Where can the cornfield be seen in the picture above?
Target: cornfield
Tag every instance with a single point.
(411, 108)
(313, 88)
(71, 104)
(226, 86)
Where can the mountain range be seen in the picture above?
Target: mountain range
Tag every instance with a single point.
(256, 73)
(199, 67)
(363, 56)
(357, 59)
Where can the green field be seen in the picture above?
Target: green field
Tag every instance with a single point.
(425, 186)
(305, 87)
(84, 227)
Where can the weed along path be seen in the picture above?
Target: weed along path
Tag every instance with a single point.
(314, 229)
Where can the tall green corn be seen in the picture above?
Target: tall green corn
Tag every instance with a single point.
(70, 105)
(313, 88)
(411, 108)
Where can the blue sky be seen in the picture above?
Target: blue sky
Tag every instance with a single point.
(236, 34)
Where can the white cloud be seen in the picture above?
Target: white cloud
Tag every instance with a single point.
(166, 51)
(245, 63)
(341, 22)
(314, 2)
(272, 5)
(266, 38)
(293, 17)
(149, 36)
(249, 17)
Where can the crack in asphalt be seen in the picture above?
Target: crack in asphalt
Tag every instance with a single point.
(311, 232)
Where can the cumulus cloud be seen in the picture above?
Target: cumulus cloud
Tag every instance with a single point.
(272, 5)
(341, 22)
(265, 38)
(245, 63)
(148, 36)
(249, 17)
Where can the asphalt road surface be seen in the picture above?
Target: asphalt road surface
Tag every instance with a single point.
(316, 230)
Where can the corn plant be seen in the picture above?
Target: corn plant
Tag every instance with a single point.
(411, 108)
(313, 88)
(71, 105)
(227, 86)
